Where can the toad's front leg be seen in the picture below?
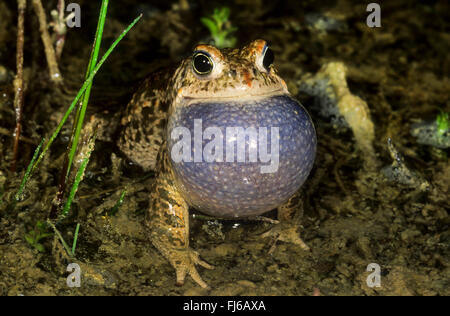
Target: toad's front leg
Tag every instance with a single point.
(168, 219)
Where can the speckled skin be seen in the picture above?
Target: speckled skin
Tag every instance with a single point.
(238, 91)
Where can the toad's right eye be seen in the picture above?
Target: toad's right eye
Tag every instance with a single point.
(202, 63)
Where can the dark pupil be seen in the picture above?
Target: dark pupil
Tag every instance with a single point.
(202, 64)
(268, 58)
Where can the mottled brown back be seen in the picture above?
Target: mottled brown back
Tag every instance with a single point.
(144, 121)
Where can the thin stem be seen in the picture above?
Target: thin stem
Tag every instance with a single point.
(18, 81)
(75, 185)
(75, 238)
(115, 209)
(65, 245)
(28, 172)
(55, 74)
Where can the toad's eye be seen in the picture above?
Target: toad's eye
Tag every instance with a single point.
(202, 63)
(264, 59)
(268, 58)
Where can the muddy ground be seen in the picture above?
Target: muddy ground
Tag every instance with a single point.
(353, 216)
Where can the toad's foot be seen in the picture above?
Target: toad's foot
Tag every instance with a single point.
(184, 261)
(287, 232)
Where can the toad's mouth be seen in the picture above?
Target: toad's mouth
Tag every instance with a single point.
(245, 95)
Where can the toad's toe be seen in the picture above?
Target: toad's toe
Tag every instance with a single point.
(184, 262)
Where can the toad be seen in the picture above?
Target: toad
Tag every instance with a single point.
(224, 136)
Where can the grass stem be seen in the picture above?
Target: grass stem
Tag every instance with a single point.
(75, 238)
(65, 245)
(28, 172)
(76, 183)
(115, 209)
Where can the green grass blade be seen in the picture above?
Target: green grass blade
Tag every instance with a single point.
(98, 37)
(75, 238)
(81, 112)
(28, 172)
(83, 89)
(68, 250)
(74, 189)
(118, 204)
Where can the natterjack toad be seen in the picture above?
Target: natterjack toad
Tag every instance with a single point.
(224, 136)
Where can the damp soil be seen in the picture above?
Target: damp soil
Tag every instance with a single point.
(352, 216)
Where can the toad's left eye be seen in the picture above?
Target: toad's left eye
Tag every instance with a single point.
(268, 58)
(202, 63)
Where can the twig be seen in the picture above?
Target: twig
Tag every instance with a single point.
(55, 74)
(18, 80)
